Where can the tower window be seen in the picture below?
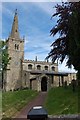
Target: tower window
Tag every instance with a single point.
(16, 30)
(16, 47)
(29, 66)
(46, 67)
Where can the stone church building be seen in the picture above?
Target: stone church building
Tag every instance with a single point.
(31, 74)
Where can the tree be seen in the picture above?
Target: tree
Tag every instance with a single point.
(68, 27)
(4, 59)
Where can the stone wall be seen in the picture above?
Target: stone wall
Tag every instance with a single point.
(41, 63)
(14, 72)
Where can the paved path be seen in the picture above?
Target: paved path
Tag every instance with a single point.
(36, 102)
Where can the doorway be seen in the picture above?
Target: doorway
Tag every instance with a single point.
(44, 84)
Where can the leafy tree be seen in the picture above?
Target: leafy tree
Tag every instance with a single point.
(68, 27)
(4, 59)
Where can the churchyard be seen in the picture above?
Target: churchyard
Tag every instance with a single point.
(13, 102)
(59, 101)
(62, 101)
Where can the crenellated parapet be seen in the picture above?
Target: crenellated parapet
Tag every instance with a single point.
(29, 65)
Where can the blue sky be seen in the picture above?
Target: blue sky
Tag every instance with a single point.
(35, 24)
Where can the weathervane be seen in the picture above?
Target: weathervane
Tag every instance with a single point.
(16, 12)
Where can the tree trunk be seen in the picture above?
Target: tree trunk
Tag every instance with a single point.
(78, 75)
(2, 79)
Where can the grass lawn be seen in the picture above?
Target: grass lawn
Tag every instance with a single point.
(0, 105)
(12, 102)
(61, 101)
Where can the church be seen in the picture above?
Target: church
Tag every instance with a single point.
(30, 74)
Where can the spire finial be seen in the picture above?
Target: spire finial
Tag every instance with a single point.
(15, 31)
(16, 11)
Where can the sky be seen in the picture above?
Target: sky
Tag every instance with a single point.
(35, 24)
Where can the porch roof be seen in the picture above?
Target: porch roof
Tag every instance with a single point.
(48, 73)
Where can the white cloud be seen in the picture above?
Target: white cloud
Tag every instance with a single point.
(25, 41)
(36, 47)
(3, 39)
(48, 8)
(63, 68)
(33, 0)
(6, 10)
(31, 55)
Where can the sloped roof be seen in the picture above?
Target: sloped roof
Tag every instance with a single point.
(48, 72)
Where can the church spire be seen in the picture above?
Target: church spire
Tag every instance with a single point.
(15, 31)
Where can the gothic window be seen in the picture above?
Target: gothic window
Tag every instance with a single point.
(16, 30)
(38, 67)
(16, 47)
(29, 66)
(53, 68)
(25, 74)
(46, 67)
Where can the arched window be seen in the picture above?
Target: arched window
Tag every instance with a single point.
(24, 74)
(29, 66)
(46, 67)
(16, 30)
(38, 67)
(16, 47)
(53, 68)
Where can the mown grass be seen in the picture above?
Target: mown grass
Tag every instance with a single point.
(62, 101)
(12, 102)
(0, 104)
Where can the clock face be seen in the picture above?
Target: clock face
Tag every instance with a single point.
(16, 63)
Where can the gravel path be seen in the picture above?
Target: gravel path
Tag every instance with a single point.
(38, 101)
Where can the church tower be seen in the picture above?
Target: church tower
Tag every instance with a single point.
(15, 47)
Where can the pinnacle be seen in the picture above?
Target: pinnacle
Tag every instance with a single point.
(15, 31)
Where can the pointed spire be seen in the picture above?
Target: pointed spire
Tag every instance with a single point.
(15, 31)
